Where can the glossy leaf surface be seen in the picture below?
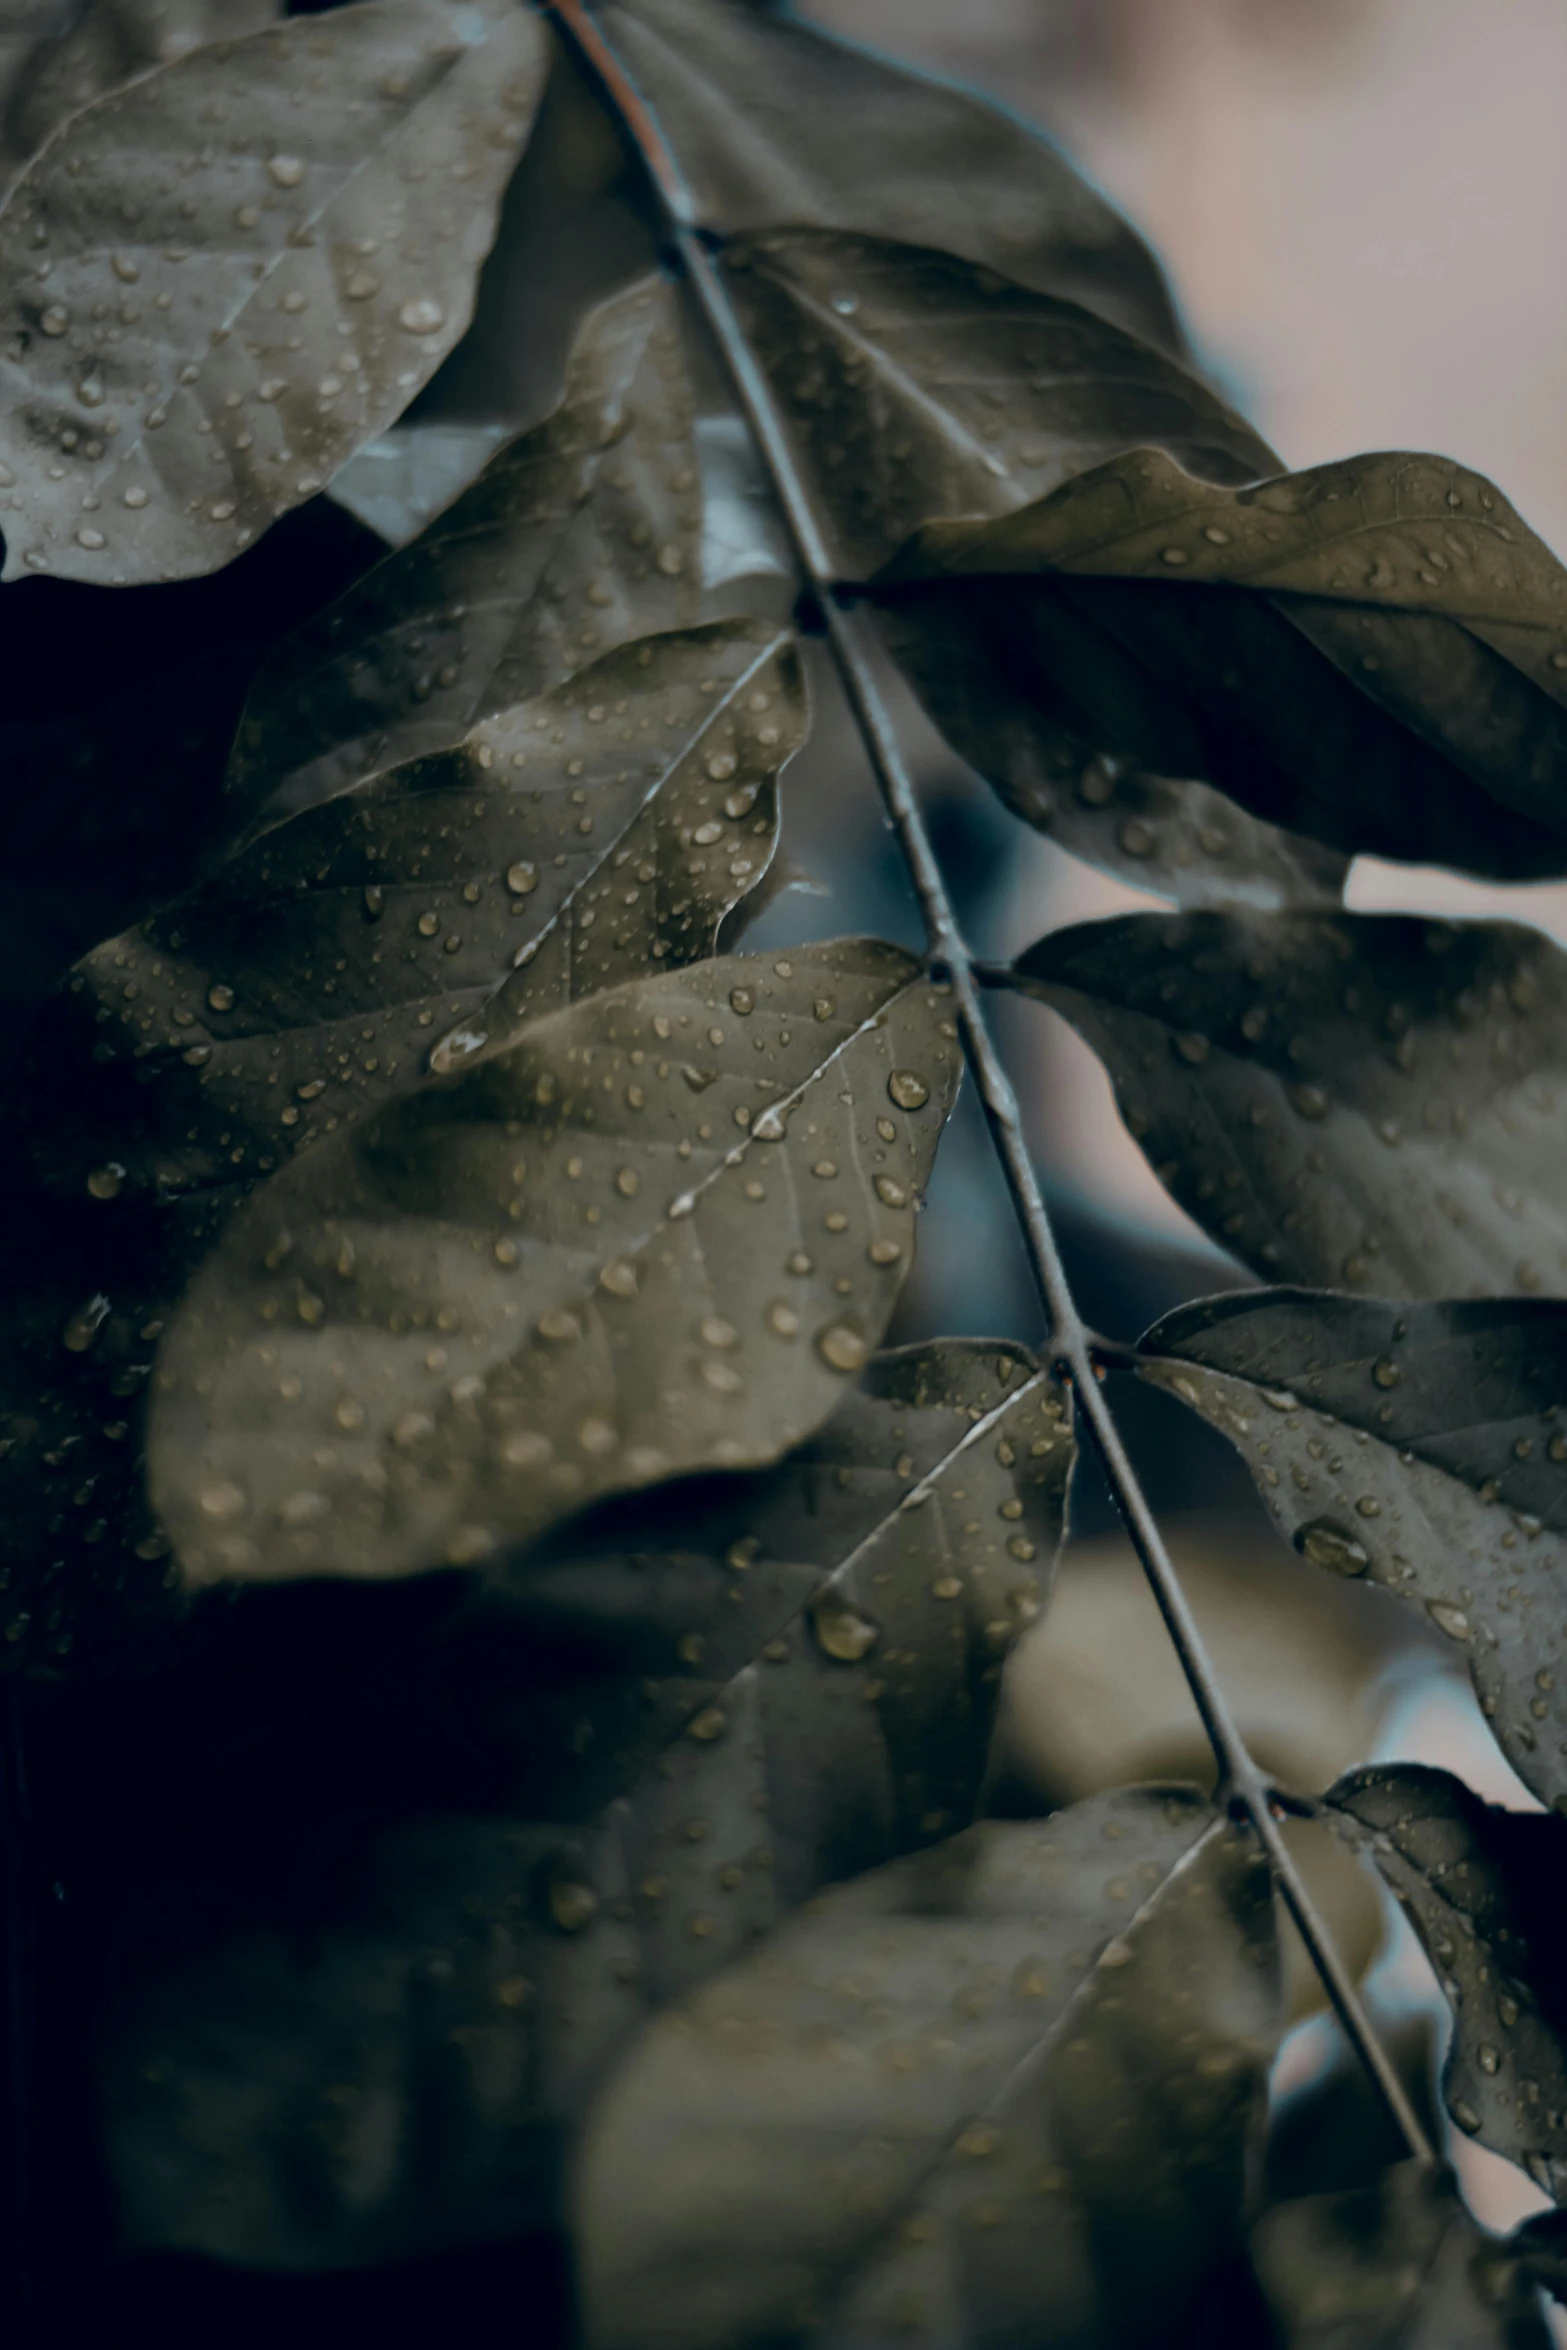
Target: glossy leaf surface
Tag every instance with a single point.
(1350, 1101)
(576, 538)
(1419, 1446)
(654, 1233)
(1483, 1889)
(959, 2093)
(1395, 2266)
(862, 1639)
(269, 316)
(778, 125)
(584, 837)
(1373, 653)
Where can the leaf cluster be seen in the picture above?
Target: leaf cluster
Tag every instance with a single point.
(414, 1179)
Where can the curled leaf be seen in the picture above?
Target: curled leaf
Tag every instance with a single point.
(965, 2093)
(1349, 1101)
(1418, 1446)
(306, 259)
(655, 1232)
(1373, 654)
(1482, 1888)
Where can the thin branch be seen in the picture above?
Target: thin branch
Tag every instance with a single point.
(1241, 1784)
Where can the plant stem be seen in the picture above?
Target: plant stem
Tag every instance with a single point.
(1242, 1786)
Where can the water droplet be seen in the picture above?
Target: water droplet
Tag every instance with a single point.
(573, 1905)
(782, 1320)
(1386, 1372)
(220, 997)
(1192, 1048)
(1328, 1545)
(891, 1192)
(1309, 1100)
(1215, 536)
(908, 1089)
(91, 539)
(104, 1182)
(743, 1001)
(55, 320)
(885, 1252)
(1175, 556)
(1489, 2058)
(455, 1047)
(842, 1347)
(135, 497)
(671, 562)
(362, 286)
(421, 316)
(839, 1631)
(221, 1501)
(559, 1324)
(286, 170)
(1448, 1618)
(709, 1724)
(84, 1325)
(1465, 2116)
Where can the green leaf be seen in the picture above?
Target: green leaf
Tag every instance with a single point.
(1349, 1101)
(1373, 653)
(270, 316)
(1395, 2266)
(576, 538)
(918, 384)
(1418, 1446)
(999, 2091)
(421, 2057)
(653, 1233)
(62, 58)
(776, 124)
(1482, 1888)
(585, 837)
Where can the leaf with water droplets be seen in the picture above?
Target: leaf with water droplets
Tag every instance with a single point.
(1397, 2265)
(1351, 1101)
(602, 830)
(1373, 654)
(753, 1736)
(778, 125)
(326, 193)
(576, 538)
(68, 54)
(1483, 1889)
(550, 1278)
(1418, 1446)
(917, 384)
(999, 2091)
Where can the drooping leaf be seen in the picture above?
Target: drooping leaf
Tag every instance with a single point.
(1419, 1446)
(575, 539)
(999, 2091)
(587, 836)
(1349, 1101)
(1483, 1888)
(300, 263)
(918, 384)
(653, 1233)
(72, 52)
(1373, 654)
(549, 1944)
(776, 124)
(1396, 2266)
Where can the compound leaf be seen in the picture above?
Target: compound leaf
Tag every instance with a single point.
(1419, 1446)
(1001, 2090)
(653, 1233)
(1373, 654)
(1482, 1887)
(1350, 1100)
(286, 230)
(1399, 2265)
(799, 1680)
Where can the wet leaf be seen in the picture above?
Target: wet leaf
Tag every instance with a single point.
(917, 384)
(1395, 2266)
(600, 831)
(1483, 1889)
(654, 1233)
(576, 538)
(776, 124)
(68, 54)
(1419, 1446)
(459, 2036)
(1350, 1101)
(1001, 2090)
(270, 316)
(1373, 654)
